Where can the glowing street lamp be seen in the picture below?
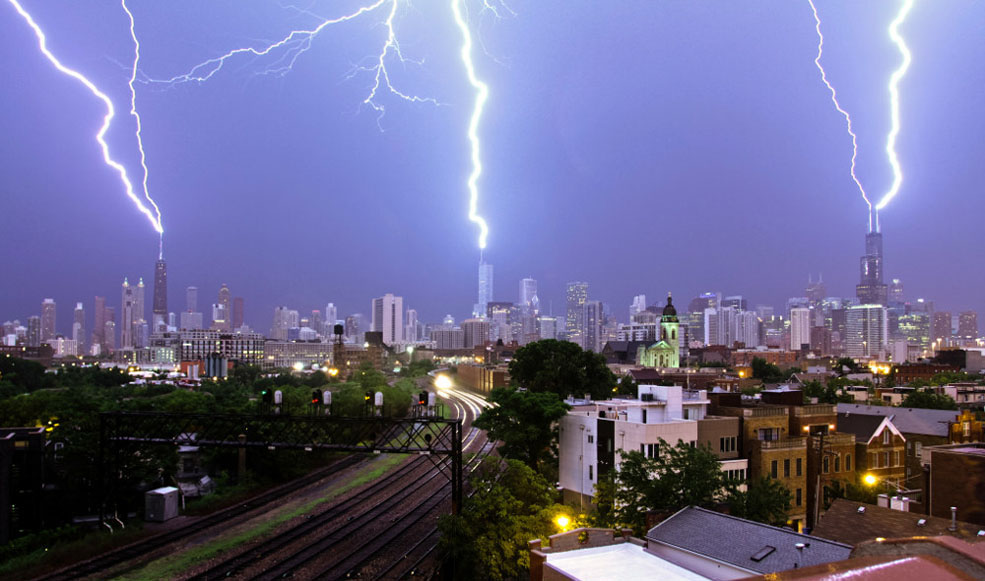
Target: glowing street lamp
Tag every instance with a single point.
(562, 522)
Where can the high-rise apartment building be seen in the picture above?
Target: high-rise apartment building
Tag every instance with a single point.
(637, 306)
(485, 288)
(547, 327)
(800, 328)
(388, 318)
(189, 321)
(576, 296)
(47, 320)
(34, 331)
(896, 291)
(815, 291)
(475, 332)
(867, 331)
(593, 320)
(498, 314)
(968, 326)
(109, 330)
(331, 314)
(99, 321)
(159, 319)
(139, 312)
(79, 328)
(941, 330)
(128, 315)
(695, 318)
(871, 290)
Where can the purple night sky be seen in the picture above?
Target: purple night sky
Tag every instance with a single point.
(642, 146)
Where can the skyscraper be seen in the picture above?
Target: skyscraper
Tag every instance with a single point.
(47, 320)
(109, 330)
(239, 306)
(331, 314)
(139, 312)
(968, 326)
(226, 310)
(576, 296)
(485, 288)
(637, 306)
(191, 299)
(128, 320)
(593, 319)
(388, 318)
(410, 332)
(867, 330)
(800, 328)
(941, 327)
(528, 296)
(99, 316)
(79, 328)
(871, 290)
(33, 331)
(159, 320)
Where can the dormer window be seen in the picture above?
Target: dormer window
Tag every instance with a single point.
(885, 437)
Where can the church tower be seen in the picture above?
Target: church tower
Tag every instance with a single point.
(669, 329)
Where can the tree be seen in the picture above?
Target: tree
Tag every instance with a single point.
(676, 477)
(765, 500)
(627, 386)
(921, 398)
(844, 363)
(563, 368)
(766, 372)
(511, 505)
(524, 421)
(824, 393)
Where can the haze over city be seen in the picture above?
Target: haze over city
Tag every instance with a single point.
(644, 148)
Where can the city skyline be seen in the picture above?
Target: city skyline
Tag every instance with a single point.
(732, 148)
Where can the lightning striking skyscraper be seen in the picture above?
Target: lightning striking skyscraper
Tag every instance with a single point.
(834, 99)
(894, 81)
(153, 215)
(481, 94)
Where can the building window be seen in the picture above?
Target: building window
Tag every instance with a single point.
(885, 459)
(591, 471)
(591, 439)
(838, 463)
(966, 427)
(786, 468)
(825, 463)
(773, 468)
(885, 437)
(769, 434)
(800, 497)
(848, 462)
(918, 448)
(726, 444)
(652, 450)
(800, 467)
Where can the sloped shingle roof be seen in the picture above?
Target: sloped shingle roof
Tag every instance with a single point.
(906, 420)
(747, 544)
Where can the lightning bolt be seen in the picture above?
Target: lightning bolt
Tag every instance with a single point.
(154, 215)
(136, 117)
(481, 94)
(834, 99)
(894, 81)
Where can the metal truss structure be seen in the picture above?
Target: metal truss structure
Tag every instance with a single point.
(124, 432)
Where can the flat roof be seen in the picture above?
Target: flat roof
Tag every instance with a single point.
(621, 561)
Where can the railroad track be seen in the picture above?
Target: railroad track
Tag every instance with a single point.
(142, 547)
(356, 548)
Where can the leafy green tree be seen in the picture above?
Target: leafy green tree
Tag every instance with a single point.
(524, 421)
(677, 477)
(511, 505)
(418, 368)
(765, 500)
(766, 372)
(627, 386)
(824, 393)
(925, 399)
(562, 368)
(846, 365)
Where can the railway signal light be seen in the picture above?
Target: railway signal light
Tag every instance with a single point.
(316, 397)
(422, 398)
(266, 396)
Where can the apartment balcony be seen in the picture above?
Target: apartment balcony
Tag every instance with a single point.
(817, 409)
(783, 444)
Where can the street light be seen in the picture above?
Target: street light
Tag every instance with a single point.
(562, 521)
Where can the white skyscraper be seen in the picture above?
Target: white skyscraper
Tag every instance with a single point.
(867, 327)
(485, 289)
(410, 331)
(637, 306)
(800, 327)
(528, 296)
(79, 327)
(331, 315)
(388, 318)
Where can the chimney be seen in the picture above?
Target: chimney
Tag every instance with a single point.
(954, 519)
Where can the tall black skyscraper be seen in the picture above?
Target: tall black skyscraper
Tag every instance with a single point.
(160, 318)
(871, 290)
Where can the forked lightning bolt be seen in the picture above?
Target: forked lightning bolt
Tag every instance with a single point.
(894, 81)
(297, 42)
(154, 216)
(834, 99)
(481, 94)
(136, 117)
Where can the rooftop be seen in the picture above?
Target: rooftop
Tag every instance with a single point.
(844, 523)
(751, 545)
(906, 420)
(621, 561)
